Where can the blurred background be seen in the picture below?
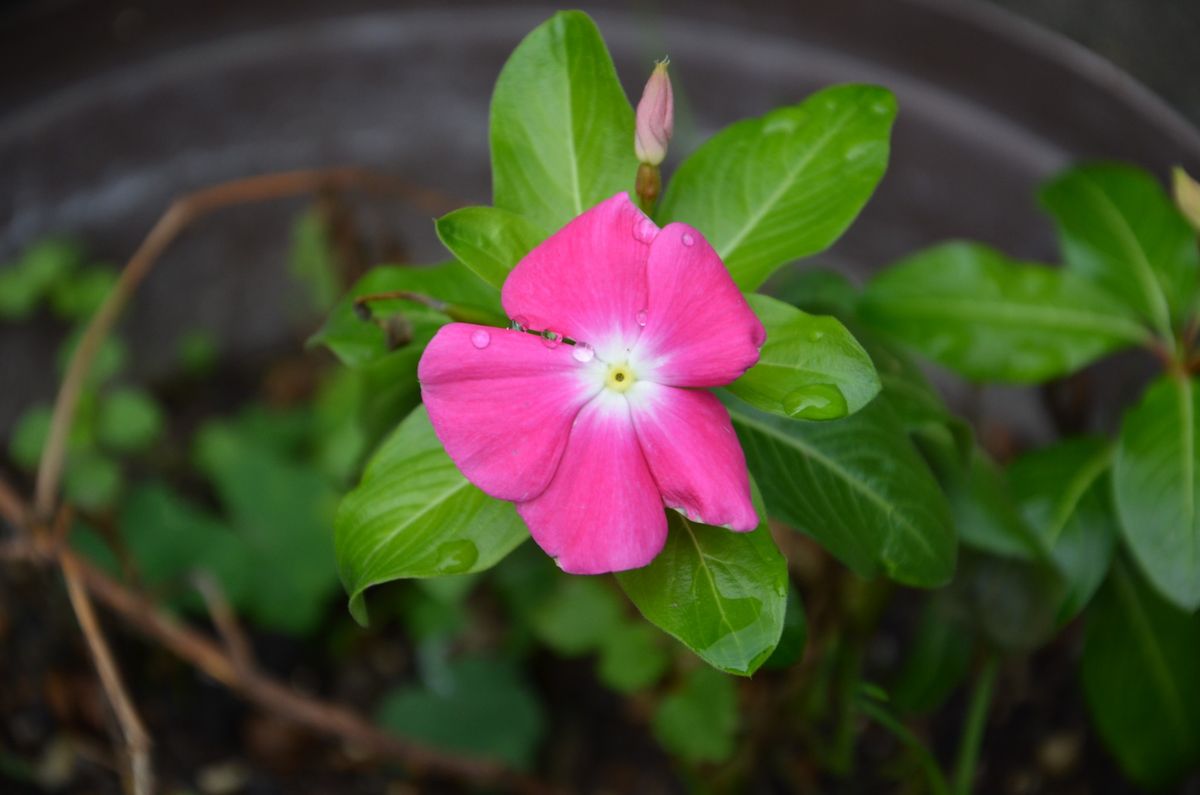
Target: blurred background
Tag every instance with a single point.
(108, 110)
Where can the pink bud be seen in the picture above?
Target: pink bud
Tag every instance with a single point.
(655, 117)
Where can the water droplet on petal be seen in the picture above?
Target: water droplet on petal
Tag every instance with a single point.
(816, 402)
(645, 230)
(480, 339)
(641, 318)
(583, 352)
(520, 323)
(688, 240)
(550, 339)
(456, 557)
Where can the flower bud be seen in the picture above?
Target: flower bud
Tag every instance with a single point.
(655, 117)
(1187, 197)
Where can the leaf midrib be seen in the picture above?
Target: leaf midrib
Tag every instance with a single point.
(785, 184)
(1159, 670)
(1147, 279)
(1011, 313)
(712, 584)
(881, 502)
(1077, 486)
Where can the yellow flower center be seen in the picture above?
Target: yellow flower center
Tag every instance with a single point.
(620, 377)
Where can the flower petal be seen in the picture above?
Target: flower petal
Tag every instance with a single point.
(694, 455)
(502, 403)
(699, 329)
(602, 512)
(588, 280)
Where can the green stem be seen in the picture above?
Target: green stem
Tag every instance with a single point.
(972, 736)
(933, 773)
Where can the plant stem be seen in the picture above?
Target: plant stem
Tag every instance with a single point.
(976, 722)
(933, 773)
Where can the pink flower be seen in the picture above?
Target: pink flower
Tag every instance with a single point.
(591, 440)
(655, 117)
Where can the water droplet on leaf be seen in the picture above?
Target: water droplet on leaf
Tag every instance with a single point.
(456, 557)
(816, 402)
(481, 339)
(641, 318)
(583, 352)
(688, 240)
(816, 335)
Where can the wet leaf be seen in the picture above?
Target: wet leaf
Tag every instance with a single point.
(720, 593)
(415, 515)
(811, 367)
(773, 189)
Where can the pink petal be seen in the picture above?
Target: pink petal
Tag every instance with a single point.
(699, 329)
(502, 403)
(602, 512)
(688, 439)
(588, 280)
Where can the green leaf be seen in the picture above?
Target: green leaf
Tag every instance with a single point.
(795, 634)
(990, 318)
(170, 538)
(1156, 480)
(92, 481)
(857, 485)
(109, 360)
(129, 420)
(578, 617)
(720, 593)
(312, 262)
(699, 721)
(811, 367)
(561, 127)
(488, 240)
(29, 436)
(937, 662)
(283, 510)
(815, 289)
(41, 268)
(198, 352)
(397, 323)
(770, 190)
(982, 504)
(1065, 496)
(914, 400)
(1120, 230)
(1139, 677)
(1012, 603)
(632, 658)
(486, 710)
(79, 297)
(415, 515)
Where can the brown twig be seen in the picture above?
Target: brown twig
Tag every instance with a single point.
(12, 507)
(223, 618)
(139, 776)
(182, 212)
(320, 716)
